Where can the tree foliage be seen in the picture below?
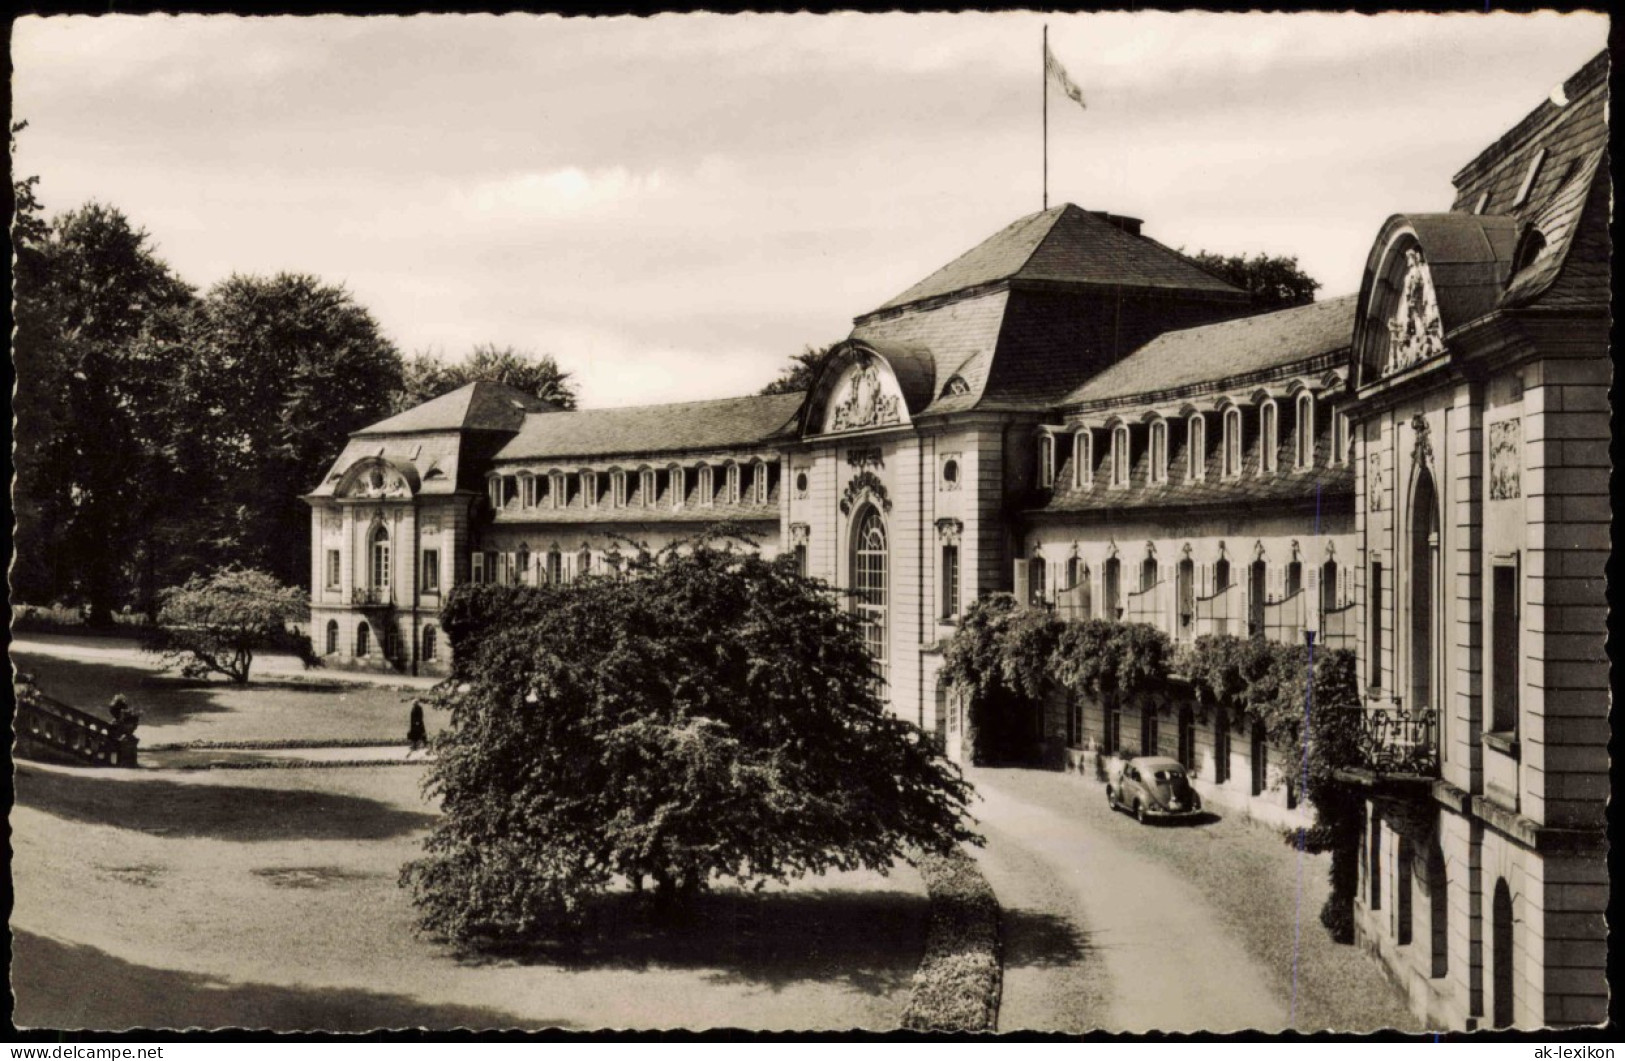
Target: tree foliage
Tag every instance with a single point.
(802, 371)
(1108, 660)
(709, 714)
(89, 291)
(1273, 281)
(427, 375)
(281, 370)
(215, 623)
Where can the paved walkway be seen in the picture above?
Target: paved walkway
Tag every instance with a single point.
(1100, 936)
(267, 665)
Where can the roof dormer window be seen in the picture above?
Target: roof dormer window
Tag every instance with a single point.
(1232, 442)
(1196, 446)
(1529, 179)
(1269, 437)
(1306, 430)
(1083, 456)
(1159, 451)
(1046, 461)
(1120, 455)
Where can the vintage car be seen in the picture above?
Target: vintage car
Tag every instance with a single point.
(1153, 787)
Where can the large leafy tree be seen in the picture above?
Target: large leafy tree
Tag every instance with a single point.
(802, 371)
(1273, 281)
(89, 292)
(281, 370)
(710, 714)
(427, 375)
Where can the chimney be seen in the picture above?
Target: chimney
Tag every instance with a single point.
(1131, 225)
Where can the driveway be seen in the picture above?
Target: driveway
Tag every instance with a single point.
(1205, 927)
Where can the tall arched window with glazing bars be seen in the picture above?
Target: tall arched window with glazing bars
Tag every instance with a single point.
(869, 573)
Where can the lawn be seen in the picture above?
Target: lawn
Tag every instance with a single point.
(176, 709)
(268, 898)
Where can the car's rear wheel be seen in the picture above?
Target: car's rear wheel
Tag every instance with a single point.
(1139, 812)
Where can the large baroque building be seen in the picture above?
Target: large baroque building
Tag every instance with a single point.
(1074, 412)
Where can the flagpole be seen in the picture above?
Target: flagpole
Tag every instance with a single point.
(1044, 68)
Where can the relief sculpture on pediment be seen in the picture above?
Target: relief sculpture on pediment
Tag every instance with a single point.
(1416, 331)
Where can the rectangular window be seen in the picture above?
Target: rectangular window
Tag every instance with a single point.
(431, 570)
(333, 569)
(801, 559)
(477, 572)
(1374, 640)
(1505, 640)
(950, 581)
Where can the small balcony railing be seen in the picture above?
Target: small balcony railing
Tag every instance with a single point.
(372, 597)
(1396, 740)
(1074, 603)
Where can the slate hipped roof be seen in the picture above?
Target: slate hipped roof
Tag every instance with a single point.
(1070, 245)
(1213, 353)
(650, 429)
(473, 407)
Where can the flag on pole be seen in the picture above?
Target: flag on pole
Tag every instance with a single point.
(1058, 77)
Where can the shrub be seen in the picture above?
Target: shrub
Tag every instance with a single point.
(956, 988)
(215, 623)
(712, 715)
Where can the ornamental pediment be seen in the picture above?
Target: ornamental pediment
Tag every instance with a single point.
(865, 395)
(377, 478)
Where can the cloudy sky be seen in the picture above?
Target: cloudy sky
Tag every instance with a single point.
(674, 205)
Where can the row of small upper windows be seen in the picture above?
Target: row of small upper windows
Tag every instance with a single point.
(737, 484)
(1113, 452)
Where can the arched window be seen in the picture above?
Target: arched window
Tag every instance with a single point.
(1232, 442)
(589, 489)
(1501, 955)
(555, 566)
(392, 642)
(869, 575)
(1046, 461)
(1340, 437)
(1086, 592)
(1073, 565)
(1329, 601)
(429, 643)
(1306, 430)
(1148, 574)
(733, 484)
(1424, 553)
(1261, 759)
(1120, 455)
(1438, 911)
(617, 488)
(380, 558)
(1185, 591)
(1269, 437)
(707, 485)
(648, 488)
(1159, 451)
(759, 484)
(524, 562)
(1221, 576)
(1083, 458)
(363, 634)
(1257, 587)
(1037, 592)
(1405, 856)
(1294, 578)
(678, 486)
(332, 636)
(583, 561)
(1112, 575)
(1197, 446)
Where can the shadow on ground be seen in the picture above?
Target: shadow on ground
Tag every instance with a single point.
(869, 941)
(69, 986)
(218, 812)
(162, 699)
(1033, 938)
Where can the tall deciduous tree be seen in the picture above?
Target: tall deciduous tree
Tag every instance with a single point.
(802, 371)
(427, 375)
(89, 289)
(283, 369)
(711, 715)
(1274, 281)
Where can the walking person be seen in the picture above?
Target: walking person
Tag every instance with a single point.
(416, 736)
